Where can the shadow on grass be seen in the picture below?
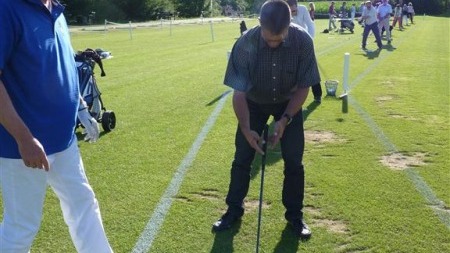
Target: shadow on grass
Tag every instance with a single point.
(218, 98)
(309, 109)
(372, 54)
(223, 240)
(288, 242)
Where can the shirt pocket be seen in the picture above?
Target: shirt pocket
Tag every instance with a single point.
(289, 79)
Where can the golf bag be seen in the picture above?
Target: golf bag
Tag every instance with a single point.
(346, 24)
(89, 90)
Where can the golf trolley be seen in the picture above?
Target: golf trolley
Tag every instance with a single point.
(86, 61)
(346, 24)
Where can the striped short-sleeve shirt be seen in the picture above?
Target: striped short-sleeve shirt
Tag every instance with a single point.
(271, 75)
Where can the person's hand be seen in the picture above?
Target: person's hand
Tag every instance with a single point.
(90, 124)
(254, 140)
(278, 131)
(33, 154)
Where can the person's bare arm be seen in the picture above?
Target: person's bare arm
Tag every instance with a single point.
(294, 105)
(240, 107)
(31, 150)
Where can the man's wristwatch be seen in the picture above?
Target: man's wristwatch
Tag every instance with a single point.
(288, 117)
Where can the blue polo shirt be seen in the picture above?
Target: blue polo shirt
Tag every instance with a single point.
(39, 73)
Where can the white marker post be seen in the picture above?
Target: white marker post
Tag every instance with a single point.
(344, 96)
(346, 70)
(212, 30)
(130, 30)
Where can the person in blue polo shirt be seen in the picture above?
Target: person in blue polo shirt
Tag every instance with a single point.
(40, 102)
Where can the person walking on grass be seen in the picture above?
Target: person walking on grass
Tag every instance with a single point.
(384, 11)
(40, 102)
(271, 68)
(331, 15)
(411, 12)
(397, 17)
(301, 17)
(352, 12)
(369, 17)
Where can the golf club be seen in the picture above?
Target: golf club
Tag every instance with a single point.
(263, 166)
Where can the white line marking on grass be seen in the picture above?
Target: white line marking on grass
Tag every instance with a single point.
(145, 241)
(438, 206)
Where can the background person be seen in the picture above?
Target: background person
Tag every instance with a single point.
(271, 68)
(331, 15)
(405, 14)
(397, 17)
(369, 17)
(301, 17)
(384, 11)
(352, 12)
(312, 10)
(39, 101)
(411, 12)
(343, 10)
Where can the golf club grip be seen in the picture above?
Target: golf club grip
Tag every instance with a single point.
(265, 137)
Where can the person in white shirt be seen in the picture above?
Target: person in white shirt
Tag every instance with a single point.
(369, 16)
(411, 12)
(384, 11)
(302, 17)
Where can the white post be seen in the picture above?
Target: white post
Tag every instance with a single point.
(212, 31)
(170, 26)
(105, 25)
(346, 70)
(344, 96)
(130, 29)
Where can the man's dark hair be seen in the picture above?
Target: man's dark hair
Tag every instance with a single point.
(275, 16)
(291, 2)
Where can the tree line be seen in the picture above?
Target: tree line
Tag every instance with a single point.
(96, 11)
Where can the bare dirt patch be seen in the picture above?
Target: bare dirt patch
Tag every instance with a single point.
(252, 205)
(399, 161)
(321, 137)
(334, 226)
(384, 98)
(388, 83)
(208, 194)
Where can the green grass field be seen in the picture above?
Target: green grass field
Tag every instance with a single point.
(164, 88)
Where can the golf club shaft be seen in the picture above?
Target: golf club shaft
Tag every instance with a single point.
(263, 166)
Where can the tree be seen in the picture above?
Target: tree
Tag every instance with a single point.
(190, 8)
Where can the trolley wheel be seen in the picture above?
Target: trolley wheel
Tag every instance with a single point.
(352, 31)
(108, 121)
